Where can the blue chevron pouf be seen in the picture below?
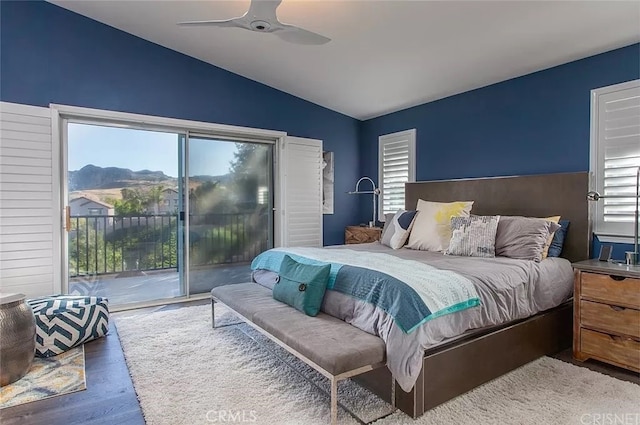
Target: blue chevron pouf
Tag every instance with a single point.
(64, 321)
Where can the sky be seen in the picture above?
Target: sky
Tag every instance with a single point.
(143, 150)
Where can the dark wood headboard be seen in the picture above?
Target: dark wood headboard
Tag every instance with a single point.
(531, 196)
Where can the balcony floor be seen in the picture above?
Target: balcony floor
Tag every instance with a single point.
(143, 286)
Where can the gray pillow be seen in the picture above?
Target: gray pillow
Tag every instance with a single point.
(397, 229)
(387, 220)
(473, 236)
(523, 238)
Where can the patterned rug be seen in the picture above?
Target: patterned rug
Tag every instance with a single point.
(48, 377)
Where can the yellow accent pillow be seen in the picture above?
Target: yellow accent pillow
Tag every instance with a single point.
(432, 225)
(547, 244)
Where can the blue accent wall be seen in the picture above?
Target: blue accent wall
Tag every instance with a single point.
(51, 55)
(617, 253)
(535, 124)
(538, 123)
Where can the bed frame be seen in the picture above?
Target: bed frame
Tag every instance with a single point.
(454, 368)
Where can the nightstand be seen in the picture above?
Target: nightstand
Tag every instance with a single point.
(606, 313)
(361, 234)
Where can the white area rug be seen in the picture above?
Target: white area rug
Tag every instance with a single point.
(185, 372)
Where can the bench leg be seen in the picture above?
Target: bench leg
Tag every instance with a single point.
(213, 313)
(334, 401)
(393, 392)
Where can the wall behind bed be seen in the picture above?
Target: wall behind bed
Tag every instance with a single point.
(535, 124)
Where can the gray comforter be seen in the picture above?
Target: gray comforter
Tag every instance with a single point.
(508, 290)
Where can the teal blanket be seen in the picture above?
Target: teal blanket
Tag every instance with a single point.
(410, 292)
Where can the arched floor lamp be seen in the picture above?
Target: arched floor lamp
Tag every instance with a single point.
(374, 191)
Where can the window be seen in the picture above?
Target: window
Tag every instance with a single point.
(615, 156)
(95, 211)
(397, 166)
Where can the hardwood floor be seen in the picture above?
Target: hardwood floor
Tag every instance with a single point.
(108, 399)
(111, 399)
(596, 366)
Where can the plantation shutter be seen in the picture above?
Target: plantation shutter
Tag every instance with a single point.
(618, 158)
(396, 159)
(29, 205)
(301, 176)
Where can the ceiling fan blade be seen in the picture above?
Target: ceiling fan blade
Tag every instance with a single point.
(297, 35)
(235, 22)
(265, 10)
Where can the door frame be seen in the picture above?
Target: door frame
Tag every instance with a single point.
(62, 114)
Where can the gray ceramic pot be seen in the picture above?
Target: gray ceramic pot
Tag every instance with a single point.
(17, 338)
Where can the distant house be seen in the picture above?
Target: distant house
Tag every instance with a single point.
(85, 206)
(170, 202)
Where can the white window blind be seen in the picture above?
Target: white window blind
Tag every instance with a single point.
(301, 176)
(615, 148)
(396, 162)
(29, 205)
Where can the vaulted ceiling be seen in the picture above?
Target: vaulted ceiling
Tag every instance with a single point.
(384, 55)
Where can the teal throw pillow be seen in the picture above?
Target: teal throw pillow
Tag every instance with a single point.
(302, 286)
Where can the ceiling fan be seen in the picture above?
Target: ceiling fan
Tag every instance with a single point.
(261, 17)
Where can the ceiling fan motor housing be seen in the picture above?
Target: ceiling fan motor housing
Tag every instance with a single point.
(260, 26)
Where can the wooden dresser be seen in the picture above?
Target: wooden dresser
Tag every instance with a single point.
(606, 316)
(361, 234)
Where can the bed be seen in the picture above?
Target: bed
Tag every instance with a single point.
(536, 322)
(447, 371)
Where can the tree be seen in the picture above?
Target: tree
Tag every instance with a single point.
(247, 157)
(137, 202)
(132, 203)
(154, 197)
(203, 198)
(249, 172)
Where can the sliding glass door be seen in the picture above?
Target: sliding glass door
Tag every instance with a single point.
(154, 215)
(230, 209)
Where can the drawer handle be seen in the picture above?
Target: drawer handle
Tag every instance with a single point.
(618, 338)
(618, 278)
(617, 308)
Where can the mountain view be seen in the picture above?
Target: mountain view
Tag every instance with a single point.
(94, 177)
(106, 184)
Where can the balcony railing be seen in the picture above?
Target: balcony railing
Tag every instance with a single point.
(106, 244)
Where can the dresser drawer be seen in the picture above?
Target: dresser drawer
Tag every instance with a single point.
(617, 350)
(608, 318)
(605, 288)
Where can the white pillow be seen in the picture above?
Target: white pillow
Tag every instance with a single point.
(432, 225)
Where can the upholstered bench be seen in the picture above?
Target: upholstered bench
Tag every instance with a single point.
(331, 346)
(65, 321)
